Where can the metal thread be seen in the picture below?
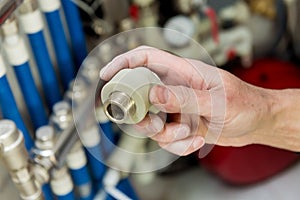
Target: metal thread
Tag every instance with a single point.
(119, 107)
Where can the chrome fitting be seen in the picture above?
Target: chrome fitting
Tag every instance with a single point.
(119, 107)
(61, 117)
(15, 158)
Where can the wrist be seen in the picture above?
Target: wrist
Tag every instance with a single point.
(266, 117)
(280, 126)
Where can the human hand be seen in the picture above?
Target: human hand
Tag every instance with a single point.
(205, 104)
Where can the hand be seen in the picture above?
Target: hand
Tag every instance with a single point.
(205, 104)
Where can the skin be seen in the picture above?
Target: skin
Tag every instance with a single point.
(205, 104)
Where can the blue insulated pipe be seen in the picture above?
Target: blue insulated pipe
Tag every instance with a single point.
(9, 107)
(75, 30)
(59, 40)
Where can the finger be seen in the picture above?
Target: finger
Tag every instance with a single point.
(184, 147)
(156, 60)
(172, 132)
(180, 99)
(151, 124)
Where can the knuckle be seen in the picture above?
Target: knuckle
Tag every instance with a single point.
(184, 97)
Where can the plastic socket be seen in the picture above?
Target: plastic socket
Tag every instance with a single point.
(125, 97)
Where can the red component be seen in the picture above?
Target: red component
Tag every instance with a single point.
(231, 54)
(253, 163)
(211, 14)
(134, 12)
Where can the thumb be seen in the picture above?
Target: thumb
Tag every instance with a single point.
(181, 99)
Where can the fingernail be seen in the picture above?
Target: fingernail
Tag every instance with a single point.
(102, 72)
(198, 142)
(157, 125)
(182, 132)
(160, 95)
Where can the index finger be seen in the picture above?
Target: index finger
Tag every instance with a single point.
(158, 61)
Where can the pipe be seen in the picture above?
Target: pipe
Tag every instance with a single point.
(114, 183)
(45, 139)
(106, 132)
(18, 57)
(62, 185)
(9, 107)
(91, 141)
(125, 186)
(65, 141)
(31, 95)
(90, 137)
(118, 187)
(77, 163)
(75, 30)
(7, 7)
(75, 158)
(60, 43)
(15, 158)
(32, 22)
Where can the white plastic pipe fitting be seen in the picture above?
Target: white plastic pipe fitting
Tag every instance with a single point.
(125, 97)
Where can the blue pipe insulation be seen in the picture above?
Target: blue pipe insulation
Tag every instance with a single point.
(62, 51)
(94, 154)
(108, 138)
(11, 111)
(97, 168)
(69, 196)
(45, 67)
(83, 182)
(31, 95)
(47, 192)
(75, 30)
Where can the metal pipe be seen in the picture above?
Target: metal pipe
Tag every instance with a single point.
(64, 144)
(7, 7)
(32, 22)
(59, 40)
(15, 158)
(55, 156)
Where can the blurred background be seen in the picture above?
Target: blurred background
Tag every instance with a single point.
(44, 43)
